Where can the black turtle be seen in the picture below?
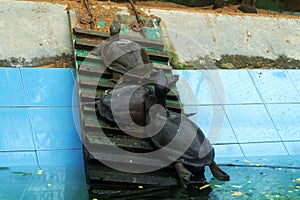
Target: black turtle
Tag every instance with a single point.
(127, 58)
(191, 165)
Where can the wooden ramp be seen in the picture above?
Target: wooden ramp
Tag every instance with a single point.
(93, 80)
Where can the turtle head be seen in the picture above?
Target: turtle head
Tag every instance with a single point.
(114, 28)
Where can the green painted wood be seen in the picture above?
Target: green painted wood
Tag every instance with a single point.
(91, 89)
(142, 41)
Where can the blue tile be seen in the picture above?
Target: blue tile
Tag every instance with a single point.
(264, 149)
(75, 93)
(251, 123)
(198, 87)
(12, 93)
(15, 130)
(293, 147)
(48, 86)
(275, 86)
(295, 77)
(286, 118)
(54, 128)
(60, 157)
(76, 119)
(238, 87)
(224, 151)
(75, 89)
(9, 159)
(213, 122)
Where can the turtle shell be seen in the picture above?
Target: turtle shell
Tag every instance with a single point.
(122, 55)
(139, 104)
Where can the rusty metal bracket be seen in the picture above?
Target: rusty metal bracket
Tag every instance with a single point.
(137, 26)
(91, 21)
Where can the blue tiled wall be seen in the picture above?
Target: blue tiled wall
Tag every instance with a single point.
(243, 112)
(262, 109)
(38, 113)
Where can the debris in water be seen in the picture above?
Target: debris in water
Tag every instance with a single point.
(40, 171)
(204, 186)
(23, 173)
(236, 194)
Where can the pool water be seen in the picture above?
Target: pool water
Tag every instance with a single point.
(272, 177)
(49, 182)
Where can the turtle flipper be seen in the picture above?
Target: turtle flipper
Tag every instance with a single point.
(184, 175)
(218, 173)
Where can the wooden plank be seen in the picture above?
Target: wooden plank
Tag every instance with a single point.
(94, 71)
(100, 69)
(90, 45)
(88, 83)
(80, 31)
(89, 96)
(88, 59)
(93, 125)
(95, 139)
(128, 160)
(142, 41)
(104, 174)
(94, 84)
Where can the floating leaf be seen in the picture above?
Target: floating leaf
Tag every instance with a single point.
(49, 185)
(236, 186)
(204, 186)
(140, 187)
(298, 179)
(236, 194)
(40, 171)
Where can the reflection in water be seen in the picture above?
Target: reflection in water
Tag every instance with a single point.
(164, 193)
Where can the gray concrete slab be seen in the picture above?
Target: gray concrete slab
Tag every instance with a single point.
(196, 34)
(33, 33)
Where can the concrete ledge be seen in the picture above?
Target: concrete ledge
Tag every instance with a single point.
(33, 33)
(198, 36)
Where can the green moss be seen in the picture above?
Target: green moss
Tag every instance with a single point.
(176, 64)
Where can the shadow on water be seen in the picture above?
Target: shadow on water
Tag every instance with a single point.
(161, 193)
